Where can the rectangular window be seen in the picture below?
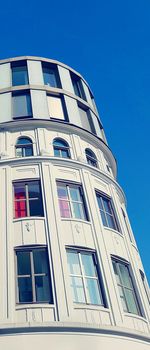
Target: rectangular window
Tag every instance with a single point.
(27, 199)
(19, 73)
(77, 86)
(33, 279)
(125, 287)
(21, 105)
(106, 211)
(84, 279)
(50, 75)
(71, 201)
(146, 287)
(86, 119)
(55, 107)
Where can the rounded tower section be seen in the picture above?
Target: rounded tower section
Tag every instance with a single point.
(71, 274)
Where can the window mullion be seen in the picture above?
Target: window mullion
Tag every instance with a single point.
(32, 276)
(27, 200)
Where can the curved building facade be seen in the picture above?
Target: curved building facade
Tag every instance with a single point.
(71, 273)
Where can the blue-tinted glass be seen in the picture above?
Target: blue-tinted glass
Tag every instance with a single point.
(62, 192)
(125, 275)
(49, 77)
(21, 105)
(36, 207)
(25, 290)
(73, 263)
(19, 75)
(111, 222)
(99, 200)
(34, 189)
(43, 289)
(130, 299)
(93, 291)
(78, 211)
(107, 206)
(65, 153)
(57, 152)
(40, 261)
(103, 218)
(28, 151)
(77, 289)
(23, 263)
(60, 143)
(23, 141)
(75, 194)
(88, 265)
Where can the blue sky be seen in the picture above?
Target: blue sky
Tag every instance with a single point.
(108, 42)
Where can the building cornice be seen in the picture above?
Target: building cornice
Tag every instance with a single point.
(78, 328)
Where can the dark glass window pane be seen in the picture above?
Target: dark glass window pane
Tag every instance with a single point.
(19, 75)
(36, 207)
(21, 105)
(25, 290)
(23, 263)
(28, 151)
(40, 261)
(42, 289)
(78, 211)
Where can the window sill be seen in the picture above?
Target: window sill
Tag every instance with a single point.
(28, 218)
(76, 220)
(90, 307)
(142, 318)
(114, 231)
(34, 305)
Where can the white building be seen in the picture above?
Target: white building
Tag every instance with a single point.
(71, 274)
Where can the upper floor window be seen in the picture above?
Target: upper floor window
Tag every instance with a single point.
(107, 211)
(84, 279)
(86, 119)
(71, 201)
(77, 86)
(21, 105)
(50, 75)
(33, 278)
(126, 287)
(19, 73)
(61, 148)
(27, 199)
(145, 285)
(56, 107)
(91, 157)
(24, 147)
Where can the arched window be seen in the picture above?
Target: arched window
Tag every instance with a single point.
(91, 157)
(61, 148)
(24, 147)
